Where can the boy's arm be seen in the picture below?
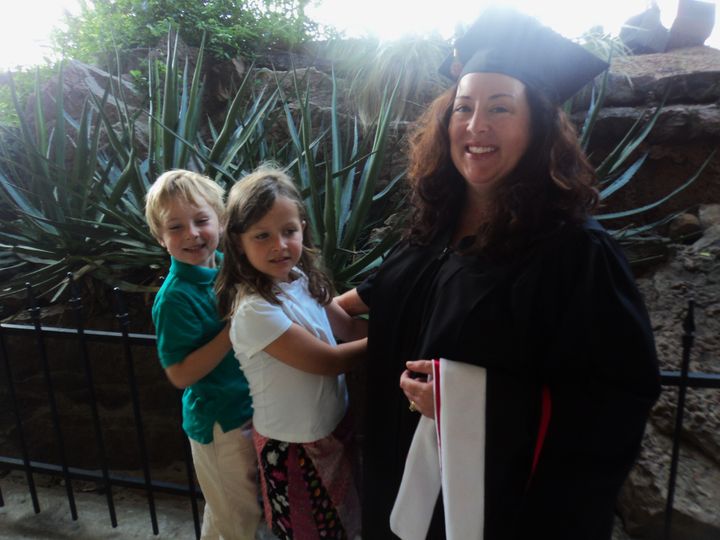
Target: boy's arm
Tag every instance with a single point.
(345, 327)
(201, 361)
(300, 349)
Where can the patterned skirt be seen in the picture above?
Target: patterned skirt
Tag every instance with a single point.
(308, 488)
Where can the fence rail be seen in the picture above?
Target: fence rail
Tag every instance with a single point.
(127, 340)
(682, 379)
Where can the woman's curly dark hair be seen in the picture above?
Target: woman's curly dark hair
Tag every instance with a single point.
(552, 183)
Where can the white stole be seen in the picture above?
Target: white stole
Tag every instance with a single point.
(449, 453)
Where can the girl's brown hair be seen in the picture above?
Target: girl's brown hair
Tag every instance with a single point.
(552, 182)
(249, 200)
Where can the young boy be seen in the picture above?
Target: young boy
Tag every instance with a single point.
(185, 213)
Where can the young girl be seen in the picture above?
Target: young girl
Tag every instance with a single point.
(282, 323)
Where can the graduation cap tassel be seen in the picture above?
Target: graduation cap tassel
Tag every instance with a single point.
(687, 344)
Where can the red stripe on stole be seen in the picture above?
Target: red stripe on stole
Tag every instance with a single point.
(436, 387)
(545, 413)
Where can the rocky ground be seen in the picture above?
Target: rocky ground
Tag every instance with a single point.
(19, 521)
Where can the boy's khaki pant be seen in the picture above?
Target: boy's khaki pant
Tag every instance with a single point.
(227, 473)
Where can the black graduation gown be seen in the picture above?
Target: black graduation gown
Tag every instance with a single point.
(566, 315)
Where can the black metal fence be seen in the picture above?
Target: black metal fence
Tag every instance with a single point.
(105, 477)
(38, 334)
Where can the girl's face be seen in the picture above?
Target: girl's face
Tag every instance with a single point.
(489, 129)
(274, 244)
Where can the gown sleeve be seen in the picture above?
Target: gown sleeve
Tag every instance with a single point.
(367, 286)
(596, 355)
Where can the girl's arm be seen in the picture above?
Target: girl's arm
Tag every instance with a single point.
(201, 361)
(351, 303)
(345, 327)
(300, 349)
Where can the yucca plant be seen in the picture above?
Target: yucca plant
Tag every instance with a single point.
(178, 141)
(178, 134)
(614, 172)
(341, 173)
(81, 211)
(52, 187)
(76, 192)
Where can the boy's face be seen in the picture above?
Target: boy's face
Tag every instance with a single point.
(191, 233)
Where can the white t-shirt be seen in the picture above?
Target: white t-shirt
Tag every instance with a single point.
(289, 405)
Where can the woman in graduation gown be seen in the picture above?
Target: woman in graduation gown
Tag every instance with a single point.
(503, 269)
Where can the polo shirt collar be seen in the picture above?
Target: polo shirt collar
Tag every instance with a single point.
(196, 274)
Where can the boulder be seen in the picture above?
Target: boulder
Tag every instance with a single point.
(684, 228)
(691, 74)
(709, 215)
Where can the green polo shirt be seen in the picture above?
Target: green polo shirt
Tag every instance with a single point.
(185, 316)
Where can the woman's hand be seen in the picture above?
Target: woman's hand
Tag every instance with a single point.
(418, 391)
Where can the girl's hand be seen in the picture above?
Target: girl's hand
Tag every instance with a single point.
(345, 327)
(351, 303)
(419, 392)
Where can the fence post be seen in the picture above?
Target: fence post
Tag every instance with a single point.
(123, 319)
(18, 425)
(76, 305)
(687, 343)
(34, 311)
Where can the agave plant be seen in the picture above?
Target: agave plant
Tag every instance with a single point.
(341, 174)
(179, 136)
(76, 192)
(52, 186)
(614, 172)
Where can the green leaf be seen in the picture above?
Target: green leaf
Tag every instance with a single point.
(364, 262)
(624, 178)
(629, 143)
(645, 208)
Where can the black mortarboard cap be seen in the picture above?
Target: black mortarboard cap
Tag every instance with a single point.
(505, 41)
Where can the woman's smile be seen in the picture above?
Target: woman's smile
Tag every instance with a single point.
(478, 150)
(489, 128)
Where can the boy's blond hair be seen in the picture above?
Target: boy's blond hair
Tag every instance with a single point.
(188, 186)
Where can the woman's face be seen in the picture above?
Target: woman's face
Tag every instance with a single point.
(489, 128)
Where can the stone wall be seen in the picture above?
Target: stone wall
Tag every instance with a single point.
(685, 135)
(693, 272)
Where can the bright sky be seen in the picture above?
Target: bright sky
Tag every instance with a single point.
(25, 24)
